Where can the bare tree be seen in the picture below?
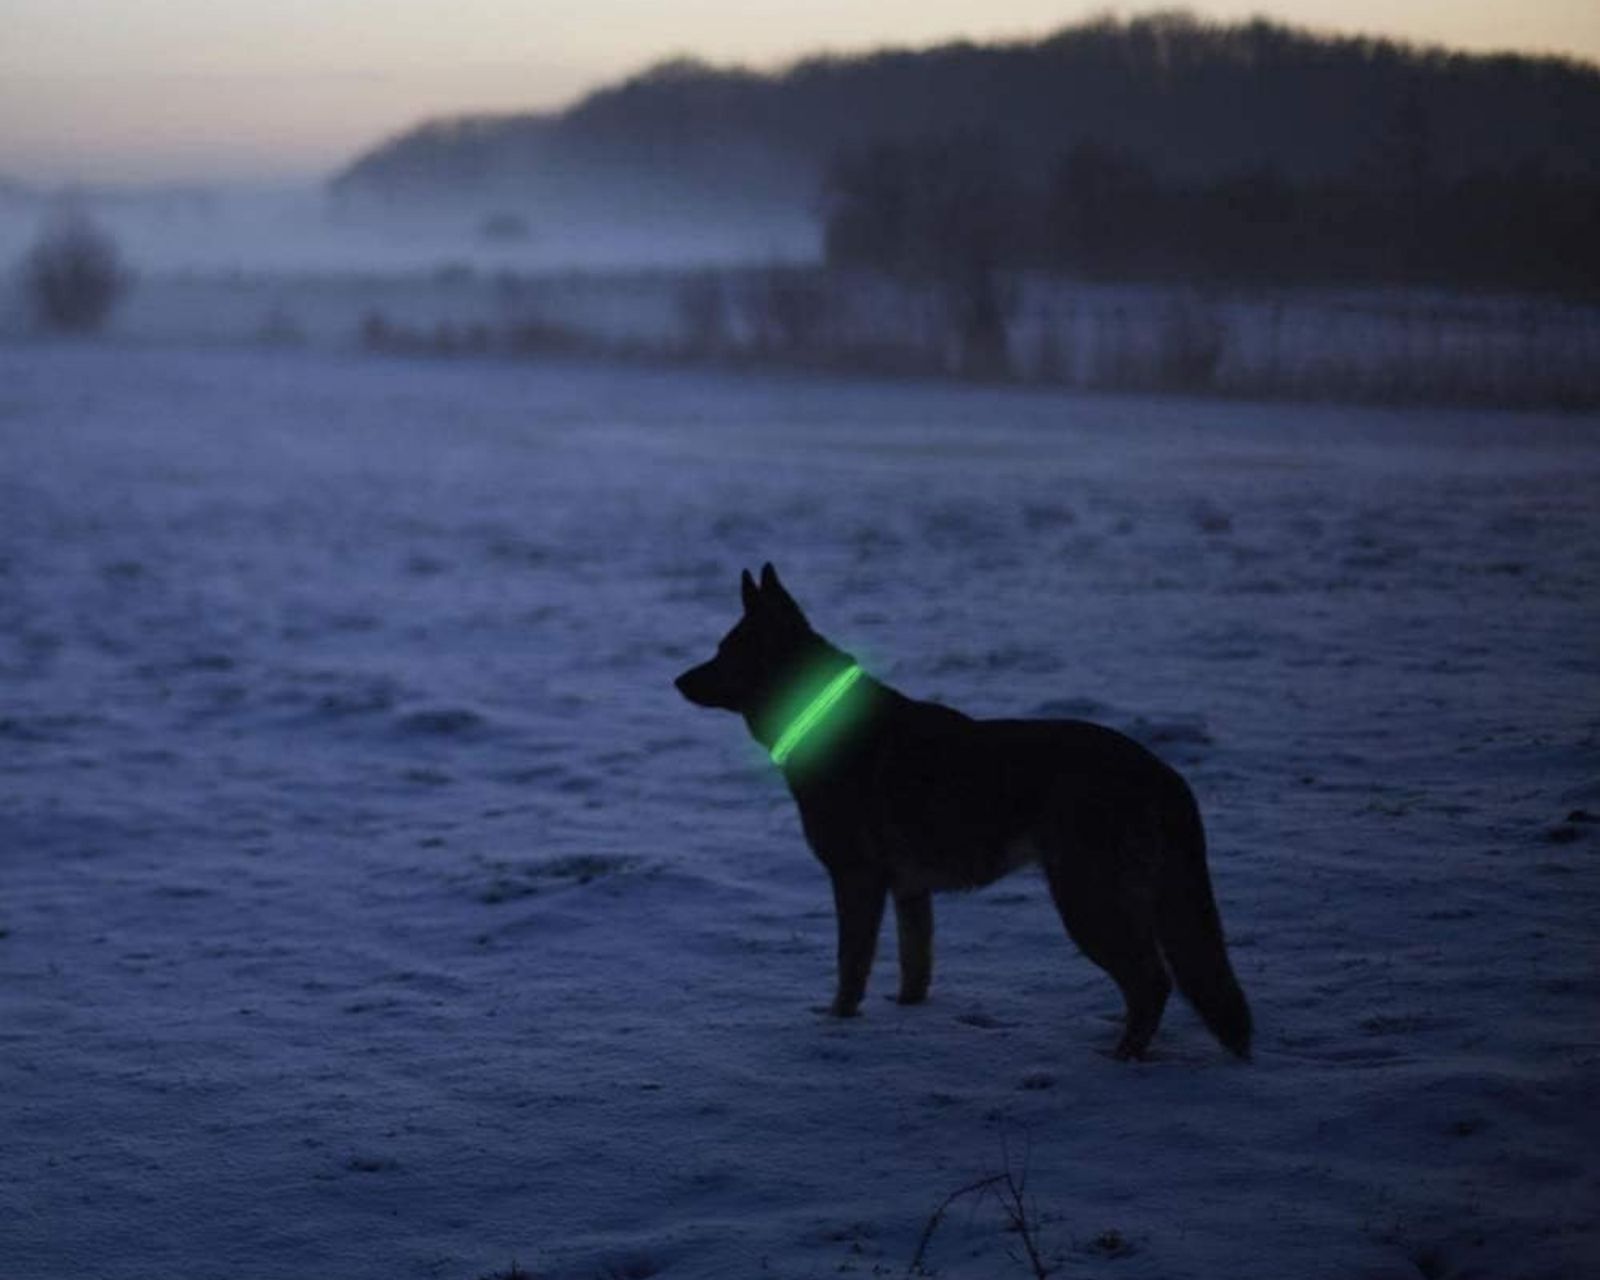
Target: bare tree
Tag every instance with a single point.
(74, 275)
(702, 306)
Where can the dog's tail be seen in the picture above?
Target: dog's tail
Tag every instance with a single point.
(1190, 932)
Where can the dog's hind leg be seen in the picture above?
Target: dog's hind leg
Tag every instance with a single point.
(1116, 930)
(913, 914)
(858, 901)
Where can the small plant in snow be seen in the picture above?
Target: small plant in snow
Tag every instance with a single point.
(1010, 1189)
(515, 1273)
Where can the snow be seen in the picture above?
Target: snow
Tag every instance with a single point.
(372, 906)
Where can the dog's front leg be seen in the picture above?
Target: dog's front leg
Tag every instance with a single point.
(858, 901)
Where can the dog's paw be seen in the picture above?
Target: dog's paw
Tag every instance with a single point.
(910, 997)
(1125, 1052)
(839, 1008)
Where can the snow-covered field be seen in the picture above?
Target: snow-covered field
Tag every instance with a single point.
(372, 907)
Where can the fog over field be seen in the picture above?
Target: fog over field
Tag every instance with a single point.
(298, 230)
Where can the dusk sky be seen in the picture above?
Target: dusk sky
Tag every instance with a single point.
(191, 90)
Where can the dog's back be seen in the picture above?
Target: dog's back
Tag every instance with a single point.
(939, 800)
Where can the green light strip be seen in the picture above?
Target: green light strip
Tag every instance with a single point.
(807, 720)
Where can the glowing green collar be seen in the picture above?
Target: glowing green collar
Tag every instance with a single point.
(818, 708)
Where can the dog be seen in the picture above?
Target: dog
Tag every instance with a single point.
(902, 799)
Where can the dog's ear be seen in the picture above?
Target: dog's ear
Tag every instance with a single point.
(748, 592)
(776, 598)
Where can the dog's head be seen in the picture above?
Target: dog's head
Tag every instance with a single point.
(769, 649)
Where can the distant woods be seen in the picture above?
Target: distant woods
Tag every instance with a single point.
(959, 210)
(1168, 149)
(1157, 204)
(1159, 148)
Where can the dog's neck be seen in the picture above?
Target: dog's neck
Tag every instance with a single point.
(799, 719)
(815, 712)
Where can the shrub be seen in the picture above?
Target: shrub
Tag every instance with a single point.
(790, 309)
(73, 276)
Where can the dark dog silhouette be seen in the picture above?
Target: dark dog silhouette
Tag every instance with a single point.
(906, 798)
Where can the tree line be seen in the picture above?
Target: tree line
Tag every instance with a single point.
(963, 208)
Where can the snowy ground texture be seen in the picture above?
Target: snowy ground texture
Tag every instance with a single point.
(372, 907)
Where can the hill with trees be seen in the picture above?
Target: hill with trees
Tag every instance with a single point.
(1157, 146)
